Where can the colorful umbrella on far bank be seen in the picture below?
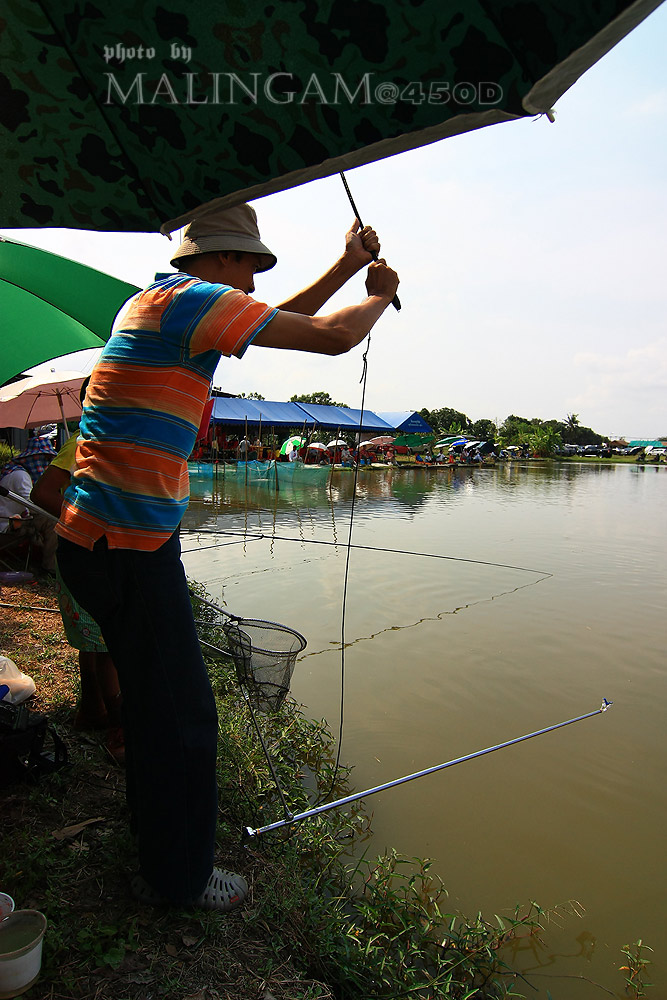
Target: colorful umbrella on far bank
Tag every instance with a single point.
(295, 440)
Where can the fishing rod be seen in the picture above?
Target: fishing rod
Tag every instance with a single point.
(298, 817)
(396, 302)
(4, 492)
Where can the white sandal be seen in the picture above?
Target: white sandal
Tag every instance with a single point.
(224, 892)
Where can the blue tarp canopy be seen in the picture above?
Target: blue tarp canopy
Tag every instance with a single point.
(328, 416)
(371, 422)
(334, 417)
(235, 412)
(407, 421)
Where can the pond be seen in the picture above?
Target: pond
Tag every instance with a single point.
(482, 605)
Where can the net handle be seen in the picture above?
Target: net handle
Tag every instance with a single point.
(216, 607)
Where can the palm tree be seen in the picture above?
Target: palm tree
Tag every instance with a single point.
(544, 441)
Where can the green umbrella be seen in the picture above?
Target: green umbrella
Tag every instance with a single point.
(122, 117)
(51, 306)
(286, 446)
(413, 440)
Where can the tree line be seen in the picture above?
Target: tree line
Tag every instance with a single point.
(542, 436)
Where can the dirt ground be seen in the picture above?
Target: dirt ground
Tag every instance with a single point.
(67, 851)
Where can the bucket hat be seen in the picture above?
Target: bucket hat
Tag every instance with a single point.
(34, 459)
(225, 230)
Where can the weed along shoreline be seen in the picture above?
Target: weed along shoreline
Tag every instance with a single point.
(315, 925)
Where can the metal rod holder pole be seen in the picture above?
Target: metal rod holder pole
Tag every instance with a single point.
(298, 817)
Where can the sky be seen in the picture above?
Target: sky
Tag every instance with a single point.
(531, 257)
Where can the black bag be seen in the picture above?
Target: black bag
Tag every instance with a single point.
(29, 747)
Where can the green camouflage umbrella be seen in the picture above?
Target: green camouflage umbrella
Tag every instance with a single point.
(50, 306)
(123, 117)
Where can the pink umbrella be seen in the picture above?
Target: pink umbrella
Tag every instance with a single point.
(377, 442)
(41, 399)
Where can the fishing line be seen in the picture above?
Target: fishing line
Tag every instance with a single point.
(348, 550)
(368, 548)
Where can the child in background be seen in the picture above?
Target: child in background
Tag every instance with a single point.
(100, 703)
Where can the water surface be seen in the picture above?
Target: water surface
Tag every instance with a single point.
(446, 656)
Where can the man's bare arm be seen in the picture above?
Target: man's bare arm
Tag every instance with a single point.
(338, 332)
(47, 491)
(361, 247)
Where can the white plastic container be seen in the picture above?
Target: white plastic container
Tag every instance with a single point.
(21, 935)
(20, 685)
(6, 905)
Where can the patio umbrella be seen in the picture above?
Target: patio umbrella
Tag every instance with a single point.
(458, 443)
(127, 117)
(317, 446)
(413, 440)
(295, 440)
(50, 306)
(336, 443)
(38, 400)
(446, 441)
(378, 442)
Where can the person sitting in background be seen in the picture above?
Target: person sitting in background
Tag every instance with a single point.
(19, 475)
(100, 701)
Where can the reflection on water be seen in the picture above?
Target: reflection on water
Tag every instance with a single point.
(445, 657)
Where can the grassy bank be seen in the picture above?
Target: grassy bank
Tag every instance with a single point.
(314, 926)
(611, 460)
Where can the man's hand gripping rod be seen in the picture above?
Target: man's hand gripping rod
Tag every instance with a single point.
(396, 302)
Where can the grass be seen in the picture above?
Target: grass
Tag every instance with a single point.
(316, 925)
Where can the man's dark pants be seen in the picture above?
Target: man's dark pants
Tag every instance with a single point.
(140, 601)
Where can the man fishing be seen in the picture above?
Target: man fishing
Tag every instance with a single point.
(119, 551)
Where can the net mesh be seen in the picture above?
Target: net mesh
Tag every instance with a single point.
(264, 655)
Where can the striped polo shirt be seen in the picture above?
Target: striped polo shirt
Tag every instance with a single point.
(143, 408)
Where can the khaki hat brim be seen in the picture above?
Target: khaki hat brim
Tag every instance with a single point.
(225, 243)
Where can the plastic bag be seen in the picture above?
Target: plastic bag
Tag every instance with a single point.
(21, 687)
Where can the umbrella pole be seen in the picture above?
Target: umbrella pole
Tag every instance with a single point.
(305, 440)
(62, 412)
(245, 434)
(274, 441)
(334, 456)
